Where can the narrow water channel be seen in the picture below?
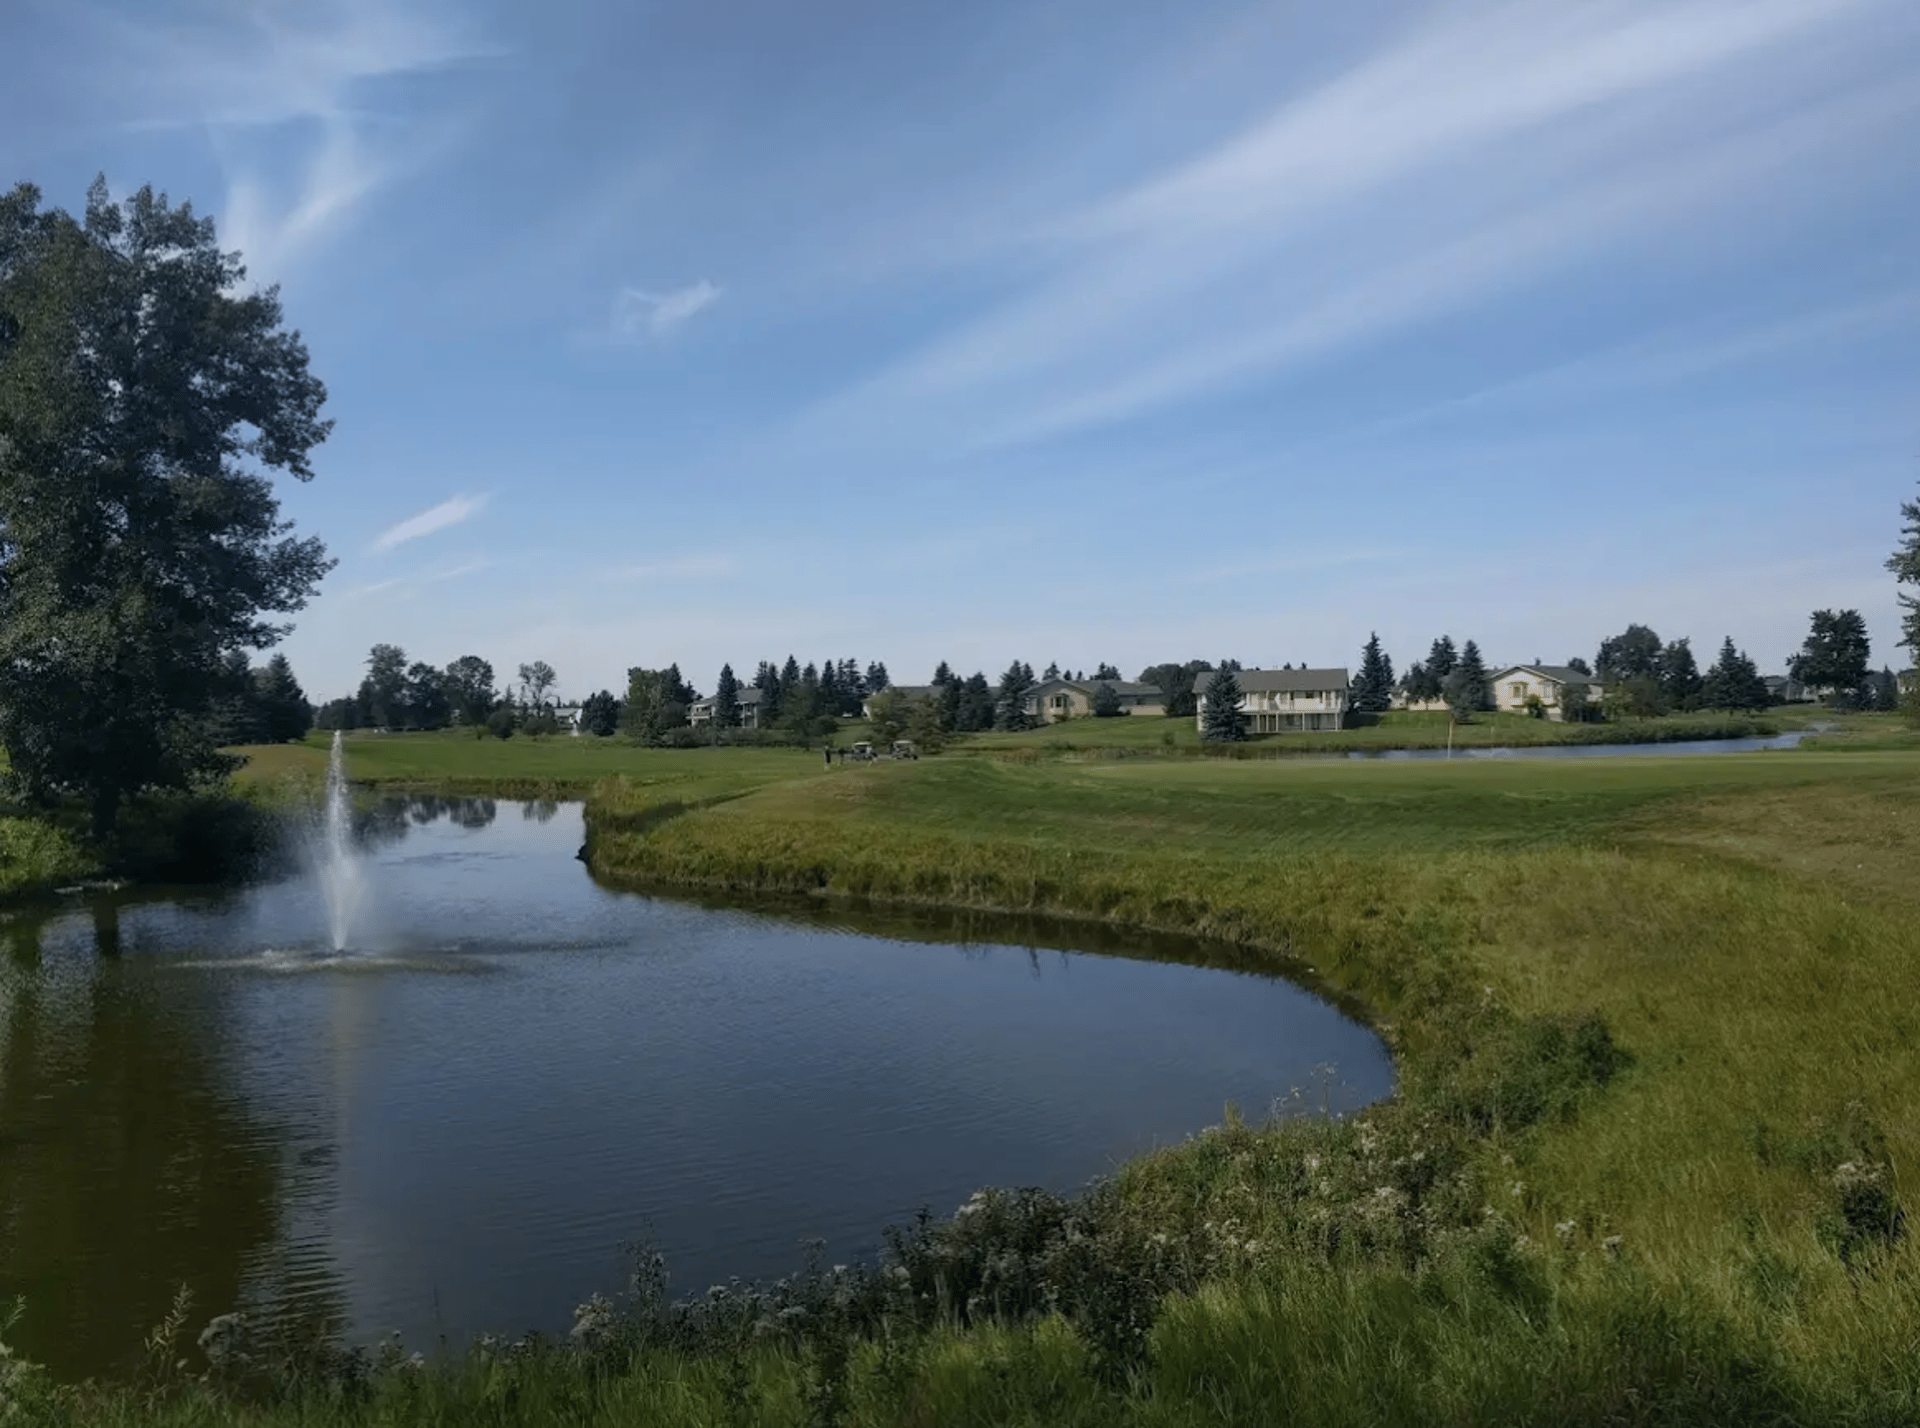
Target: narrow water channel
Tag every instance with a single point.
(453, 1126)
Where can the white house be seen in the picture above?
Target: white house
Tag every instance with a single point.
(701, 710)
(1281, 700)
(1515, 687)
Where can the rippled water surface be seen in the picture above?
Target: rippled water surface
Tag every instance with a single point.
(454, 1126)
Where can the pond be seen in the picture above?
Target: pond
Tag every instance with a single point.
(1595, 751)
(454, 1126)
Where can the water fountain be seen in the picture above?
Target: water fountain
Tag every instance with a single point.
(343, 878)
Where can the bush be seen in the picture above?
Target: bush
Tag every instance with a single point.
(501, 723)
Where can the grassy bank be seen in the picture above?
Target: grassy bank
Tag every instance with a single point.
(1399, 730)
(554, 766)
(1744, 927)
(1654, 1021)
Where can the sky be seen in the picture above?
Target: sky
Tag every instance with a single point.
(1061, 330)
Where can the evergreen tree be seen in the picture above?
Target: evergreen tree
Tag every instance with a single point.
(1010, 706)
(877, 678)
(944, 674)
(287, 714)
(1733, 682)
(678, 691)
(766, 679)
(1835, 655)
(1221, 717)
(1052, 672)
(1680, 680)
(1106, 701)
(1580, 666)
(600, 714)
(789, 676)
(726, 699)
(1106, 671)
(1905, 565)
(1473, 672)
(1373, 690)
(1414, 683)
(1441, 658)
(976, 707)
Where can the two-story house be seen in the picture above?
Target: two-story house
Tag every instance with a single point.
(701, 710)
(1276, 701)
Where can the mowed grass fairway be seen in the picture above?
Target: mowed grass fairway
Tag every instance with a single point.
(554, 765)
(1748, 926)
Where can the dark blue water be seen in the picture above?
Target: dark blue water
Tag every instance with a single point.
(453, 1128)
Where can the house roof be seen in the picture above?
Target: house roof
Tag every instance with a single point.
(749, 694)
(1558, 673)
(1129, 687)
(1279, 681)
(910, 691)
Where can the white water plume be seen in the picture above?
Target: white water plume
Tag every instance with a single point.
(342, 873)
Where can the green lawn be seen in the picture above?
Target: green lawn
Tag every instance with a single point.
(560, 764)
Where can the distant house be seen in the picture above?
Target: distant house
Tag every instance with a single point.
(1515, 687)
(905, 691)
(701, 710)
(568, 716)
(1784, 689)
(1055, 699)
(1278, 701)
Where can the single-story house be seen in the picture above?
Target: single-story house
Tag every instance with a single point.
(1055, 699)
(1281, 700)
(701, 710)
(1785, 689)
(906, 691)
(1514, 686)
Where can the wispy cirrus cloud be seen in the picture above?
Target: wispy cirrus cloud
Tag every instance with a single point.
(1449, 167)
(681, 567)
(450, 512)
(284, 96)
(640, 314)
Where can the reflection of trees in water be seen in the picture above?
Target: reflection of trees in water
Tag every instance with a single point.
(392, 817)
(540, 810)
(131, 1162)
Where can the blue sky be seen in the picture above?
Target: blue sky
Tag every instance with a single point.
(1077, 331)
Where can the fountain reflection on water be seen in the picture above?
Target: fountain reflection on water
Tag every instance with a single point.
(342, 873)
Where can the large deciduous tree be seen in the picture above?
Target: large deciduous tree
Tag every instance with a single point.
(383, 692)
(1835, 655)
(1635, 651)
(143, 397)
(468, 683)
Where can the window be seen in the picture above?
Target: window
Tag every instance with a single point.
(1519, 689)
